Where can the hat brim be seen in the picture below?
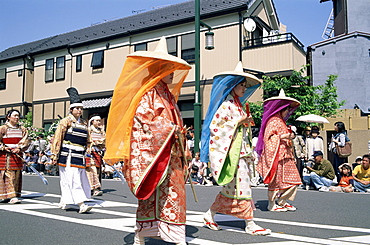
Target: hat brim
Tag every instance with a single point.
(283, 98)
(160, 56)
(251, 79)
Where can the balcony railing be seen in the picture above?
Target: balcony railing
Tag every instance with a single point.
(273, 39)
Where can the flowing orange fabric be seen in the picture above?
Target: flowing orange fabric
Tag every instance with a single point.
(138, 76)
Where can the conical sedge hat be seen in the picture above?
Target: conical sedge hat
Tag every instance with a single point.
(160, 52)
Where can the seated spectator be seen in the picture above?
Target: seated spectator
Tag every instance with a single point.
(50, 166)
(322, 173)
(361, 175)
(195, 176)
(32, 161)
(201, 166)
(107, 172)
(306, 173)
(357, 162)
(346, 181)
(43, 159)
(27, 158)
(117, 170)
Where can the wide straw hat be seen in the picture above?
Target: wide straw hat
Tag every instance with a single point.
(160, 52)
(251, 79)
(282, 96)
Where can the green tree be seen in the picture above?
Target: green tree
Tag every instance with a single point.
(320, 100)
(27, 122)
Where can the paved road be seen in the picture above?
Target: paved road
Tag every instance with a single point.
(321, 218)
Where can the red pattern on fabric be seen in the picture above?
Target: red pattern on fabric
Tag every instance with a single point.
(284, 174)
(151, 180)
(95, 159)
(14, 140)
(10, 161)
(153, 124)
(242, 209)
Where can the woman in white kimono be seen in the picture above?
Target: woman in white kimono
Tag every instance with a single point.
(226, 143)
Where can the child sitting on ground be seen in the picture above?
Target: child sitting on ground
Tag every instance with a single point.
(346, 180)
(195, 176)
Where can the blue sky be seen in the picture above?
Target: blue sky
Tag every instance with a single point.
(23, 21)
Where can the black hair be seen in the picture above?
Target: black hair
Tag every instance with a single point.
(315, 127)
(367, 156)
(11, 111)
(341, 127)
(93, 115)
(345, 166)
(255, 131)
(195, 167)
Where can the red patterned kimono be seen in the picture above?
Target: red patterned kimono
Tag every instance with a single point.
(277, 163)
(11, 164)
(155, 171)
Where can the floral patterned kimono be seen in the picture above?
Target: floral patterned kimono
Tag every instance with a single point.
(155, 170)
(277, 163)
(231, 160)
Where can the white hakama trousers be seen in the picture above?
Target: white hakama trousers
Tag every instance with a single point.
(74, 185)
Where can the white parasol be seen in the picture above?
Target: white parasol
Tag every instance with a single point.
(312, 118)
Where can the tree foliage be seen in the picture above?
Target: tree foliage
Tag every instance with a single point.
(27, 122)
(320, 100)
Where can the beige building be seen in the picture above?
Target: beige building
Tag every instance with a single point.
(35, 76)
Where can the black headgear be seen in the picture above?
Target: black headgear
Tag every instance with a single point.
(74, 97)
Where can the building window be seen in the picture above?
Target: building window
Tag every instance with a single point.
(60, 71)
(20, 73)
(338, 6)
(172, 46)
(141, 47)
(78, 63)
(47, 125)
(97, 60)
(2, 79)
(188, 48)
(49, 70)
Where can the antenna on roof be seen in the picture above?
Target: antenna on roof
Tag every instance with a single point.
(110, 19)
(138, 11)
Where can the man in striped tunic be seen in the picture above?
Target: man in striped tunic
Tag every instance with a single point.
(68, 149)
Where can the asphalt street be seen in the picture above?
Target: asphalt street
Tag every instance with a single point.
(321, 218)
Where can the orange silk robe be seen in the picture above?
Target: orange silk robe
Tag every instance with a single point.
(155, 171)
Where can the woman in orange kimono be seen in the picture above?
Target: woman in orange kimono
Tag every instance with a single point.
(145, 131)
(277, 163)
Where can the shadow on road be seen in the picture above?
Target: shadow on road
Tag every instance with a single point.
(262, 205)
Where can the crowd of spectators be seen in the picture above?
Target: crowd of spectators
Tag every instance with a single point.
(316, 171)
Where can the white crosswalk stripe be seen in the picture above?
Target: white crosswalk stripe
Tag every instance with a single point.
(32, 206)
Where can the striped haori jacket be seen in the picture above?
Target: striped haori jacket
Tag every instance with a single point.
(13, 137)
(74, 146)
(97, 147)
